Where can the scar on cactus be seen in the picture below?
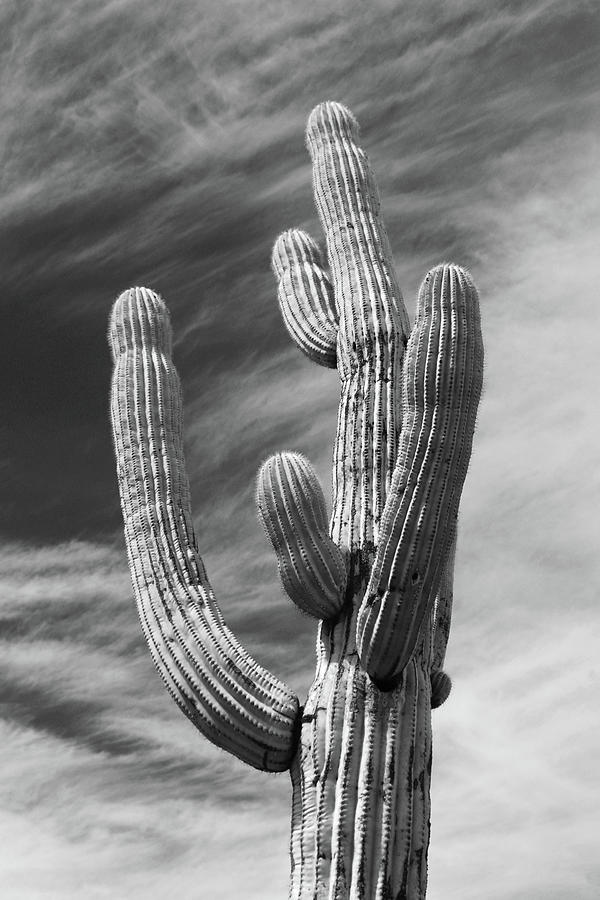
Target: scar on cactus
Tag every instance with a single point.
(378, 577)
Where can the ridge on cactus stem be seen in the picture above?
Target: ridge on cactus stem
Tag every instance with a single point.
(378, 576)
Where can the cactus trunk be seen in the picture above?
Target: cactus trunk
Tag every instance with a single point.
(360, 825)
(361, 807)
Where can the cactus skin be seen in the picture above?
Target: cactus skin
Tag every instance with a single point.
(360, 753)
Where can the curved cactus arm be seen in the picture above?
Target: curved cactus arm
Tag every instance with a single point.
(292, 509)
(305, 296)
(442, 381)
(232, 700)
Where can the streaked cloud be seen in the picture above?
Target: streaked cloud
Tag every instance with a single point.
(163, 144)
(98, 769)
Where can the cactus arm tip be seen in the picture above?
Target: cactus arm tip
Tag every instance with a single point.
(329, 121)
(139, 316)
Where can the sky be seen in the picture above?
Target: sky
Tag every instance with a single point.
(162, 143)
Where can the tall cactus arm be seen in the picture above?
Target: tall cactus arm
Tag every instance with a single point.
(442, 382)
(305, 296)
(292, 509)
(232, 700)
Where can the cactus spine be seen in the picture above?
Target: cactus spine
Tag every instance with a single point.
(379, 579)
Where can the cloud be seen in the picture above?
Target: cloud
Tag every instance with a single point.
(513, 772)
(163, 144)
(99, 767)
(98, 829)
(512, 762)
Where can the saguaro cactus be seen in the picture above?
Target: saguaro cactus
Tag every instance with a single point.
(379, 579)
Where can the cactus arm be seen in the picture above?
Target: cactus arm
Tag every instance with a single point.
(232, 700)
(292, 509)
(441, 685)
(441, 387)
(443, 611)
(305, 296)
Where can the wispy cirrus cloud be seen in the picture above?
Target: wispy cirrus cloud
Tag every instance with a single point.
(162, 144)
(516, 750)
(97, 768)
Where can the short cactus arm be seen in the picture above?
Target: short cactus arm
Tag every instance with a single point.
(441, 685)
(292, 509)
(232, 700)
(443, 611)
(442, 381)
(305, 296)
